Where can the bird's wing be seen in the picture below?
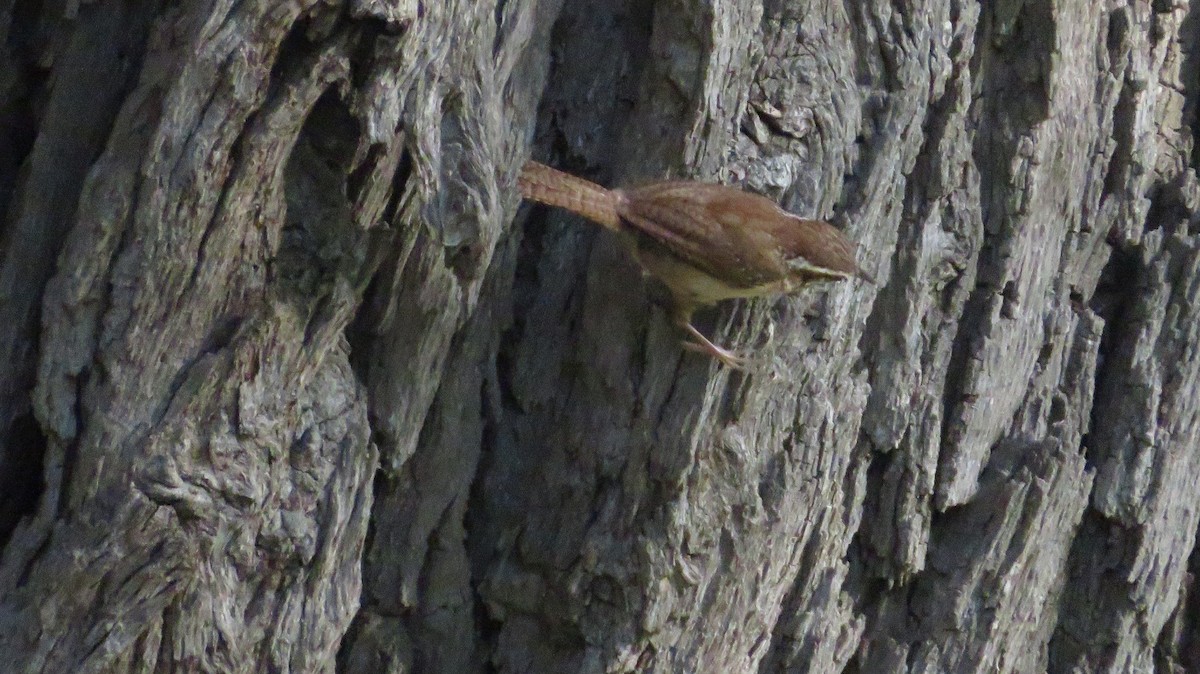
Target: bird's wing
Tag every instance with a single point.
(708, 227)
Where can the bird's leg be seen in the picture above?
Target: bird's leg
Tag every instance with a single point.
(703, 345)
(683, 318)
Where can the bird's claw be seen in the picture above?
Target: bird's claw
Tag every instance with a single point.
(725, 356)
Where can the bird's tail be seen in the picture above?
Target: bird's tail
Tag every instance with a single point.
(552, 187)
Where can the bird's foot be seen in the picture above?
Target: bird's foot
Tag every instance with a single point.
(703, 345)
(725, 356)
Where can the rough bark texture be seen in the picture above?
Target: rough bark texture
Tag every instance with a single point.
(285, 385)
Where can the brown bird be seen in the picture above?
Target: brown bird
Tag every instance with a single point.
(705, 242)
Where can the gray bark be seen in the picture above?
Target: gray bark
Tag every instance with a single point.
(288, 382)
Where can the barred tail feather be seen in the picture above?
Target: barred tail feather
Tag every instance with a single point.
(552, 187)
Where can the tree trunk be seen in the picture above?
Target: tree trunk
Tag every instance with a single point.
(285, 386)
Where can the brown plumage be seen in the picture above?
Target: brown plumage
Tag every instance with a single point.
(705, 242)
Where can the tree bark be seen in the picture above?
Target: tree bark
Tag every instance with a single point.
(289, 382)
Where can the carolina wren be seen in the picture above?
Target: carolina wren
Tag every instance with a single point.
(705, 242)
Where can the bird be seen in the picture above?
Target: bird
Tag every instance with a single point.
(705, 242)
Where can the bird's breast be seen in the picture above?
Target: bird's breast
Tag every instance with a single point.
(691, 284)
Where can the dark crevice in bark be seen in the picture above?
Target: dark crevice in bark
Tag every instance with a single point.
(404, 169)
(584, 154)
(479, 550)
(920, 197)
(301, 45)
(19, 120)
(22, 101)
(789, 650)
(18, 129)
(464, 261)
(1116, 293)
(355, 633)
(1104, 548)
(530, 232)
(365, 48)
(382, 251)
(539, 231)
(1179, 649)
(1007, 108)
(295, 48)
(498, 17)
(870, 553)
(21, 482)
(1174, 205)
(965, 343)
(361, 331)
(87, 69)
(771, 483)
(585, 137)
(24, 26)
(319, 241)
(333, 131)
(423, 628)
(1100, 553)
(1124, 124)
(880, 595)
